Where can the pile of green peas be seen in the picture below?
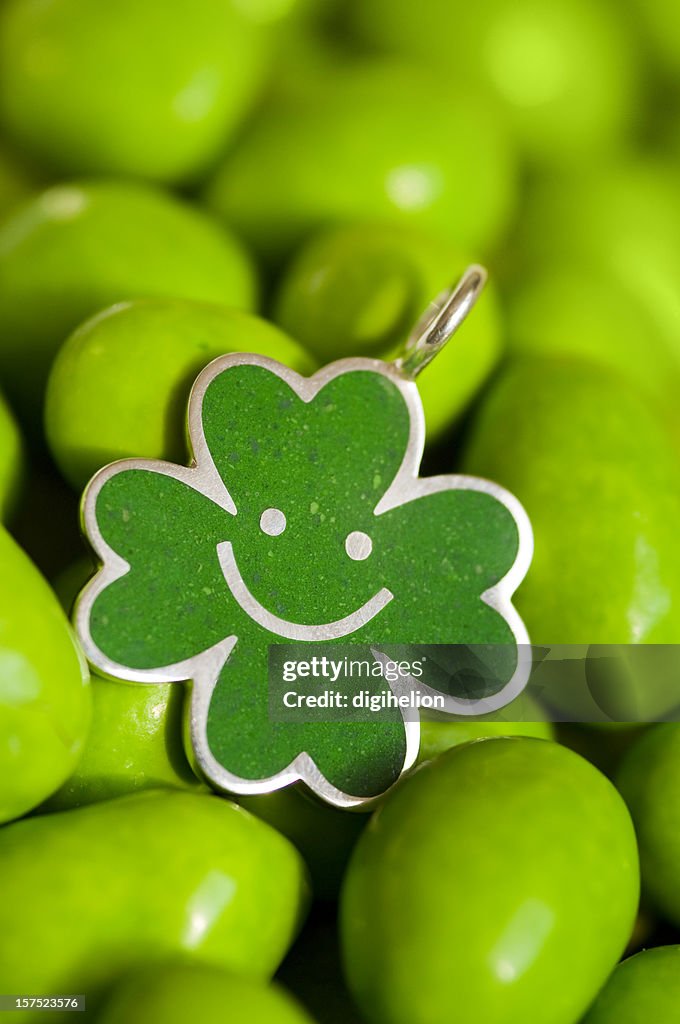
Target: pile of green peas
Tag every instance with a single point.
(180, 179)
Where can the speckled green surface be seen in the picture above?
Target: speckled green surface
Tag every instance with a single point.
(325, 464)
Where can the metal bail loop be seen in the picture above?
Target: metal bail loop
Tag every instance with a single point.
(440, 321)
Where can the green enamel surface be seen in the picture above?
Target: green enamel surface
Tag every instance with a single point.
(171, 604)
(325, 464)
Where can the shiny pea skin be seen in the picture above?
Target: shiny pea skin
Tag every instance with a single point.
(649, 780)
(134, 743)
(176, 993)
(359, 290)
(150, 90)
(138, 361)
(642, 989)
(91, 893)
(77, 248)
(343, 151)
(597, 471)
(44, 691)
(498, 883)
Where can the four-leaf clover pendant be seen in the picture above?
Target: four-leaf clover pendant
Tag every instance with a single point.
(301, 519)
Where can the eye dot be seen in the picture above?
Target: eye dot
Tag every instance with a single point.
(358, 545)
(272, 522)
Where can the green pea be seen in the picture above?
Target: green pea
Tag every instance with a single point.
(11, 460)
(359, 290)
(92, 893)
(499, 883)
(644, 988)
(374, 141)
(565, 73)
(176, 993)
(134, 743)
(44, 692)
(598, 476)
(138, 361)
(564, 309)
(649, 779)
(148, 89)
(620, 221)
(77, 248)
(436, 737)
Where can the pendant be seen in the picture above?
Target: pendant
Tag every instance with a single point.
(302, 528)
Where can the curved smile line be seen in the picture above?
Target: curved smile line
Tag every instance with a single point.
(294, 630)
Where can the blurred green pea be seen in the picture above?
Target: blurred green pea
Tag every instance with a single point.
(138, 361)
(599, 477)
(376, 141)
(566, 73)
(44, 692)
(11, 460)
(649, 780)
(77, 248)
(498, 883)
(359, 290)
(661, 21)
(643, 988)
(150, 89)
(177, 992)
(620, 221)
(92, 893)
(563, 309)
